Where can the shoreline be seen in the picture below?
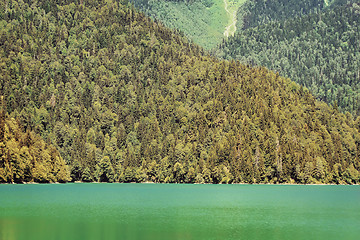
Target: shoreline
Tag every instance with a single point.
(149, 182)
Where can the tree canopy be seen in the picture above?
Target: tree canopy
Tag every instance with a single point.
(258, 12)
(319, 51)
(124, 99)
(25, 157)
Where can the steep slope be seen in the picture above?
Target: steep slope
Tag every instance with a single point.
(319, 51)
(124, 99)
(205, 22)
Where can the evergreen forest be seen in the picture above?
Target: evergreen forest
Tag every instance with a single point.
(26, 157)
(259, 12)
(118, 97)
(319, 51)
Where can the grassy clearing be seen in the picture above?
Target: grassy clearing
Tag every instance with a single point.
(202, 21)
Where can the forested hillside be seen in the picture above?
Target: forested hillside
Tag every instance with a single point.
(258, 12)
(319, 51)
(125, 99)
(25, 157)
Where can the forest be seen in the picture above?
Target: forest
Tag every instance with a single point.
(119, 97)
(25, 157)
(258, 12)
(319, 51)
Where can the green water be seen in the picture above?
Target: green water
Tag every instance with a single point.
(155, 211)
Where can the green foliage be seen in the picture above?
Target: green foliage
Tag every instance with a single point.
(202, 21)
(25, 157)
(257, 12)
(319, 51)
(125, 99)
(104, 170)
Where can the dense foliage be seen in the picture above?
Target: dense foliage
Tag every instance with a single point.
(258, 12)
(25, 157)
(319, 51)
(125, 99)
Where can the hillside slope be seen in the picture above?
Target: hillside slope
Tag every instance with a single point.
(125, 99)
(25, 157)
(205, 22)
(258, 12)
(319, 51)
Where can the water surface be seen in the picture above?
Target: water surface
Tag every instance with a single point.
(161, 211)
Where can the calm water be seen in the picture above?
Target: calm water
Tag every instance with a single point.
(154, 211)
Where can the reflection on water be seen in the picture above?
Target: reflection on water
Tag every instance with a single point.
(154, 211)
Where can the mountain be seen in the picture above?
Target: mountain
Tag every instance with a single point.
(319, 51)
(123, 98)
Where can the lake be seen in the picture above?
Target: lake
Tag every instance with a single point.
(175, 211)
